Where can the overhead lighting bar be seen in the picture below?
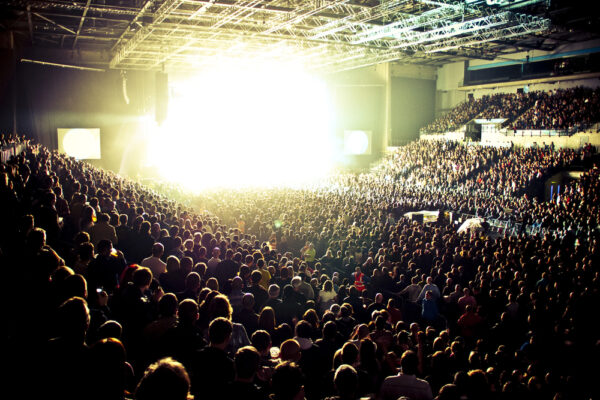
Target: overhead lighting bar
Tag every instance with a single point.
(27, 60)
(536, 25)
(412, 38)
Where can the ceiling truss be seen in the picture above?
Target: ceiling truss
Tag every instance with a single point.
(324, 35)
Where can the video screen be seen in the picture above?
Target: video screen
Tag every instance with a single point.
(80, 143)
(357, 142)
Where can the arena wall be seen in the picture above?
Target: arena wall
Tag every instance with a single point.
(451, 91)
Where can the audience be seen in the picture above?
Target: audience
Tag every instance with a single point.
(469, 316)
(562, 109)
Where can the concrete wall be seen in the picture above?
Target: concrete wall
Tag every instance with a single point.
(403, 93)
(361, 102)
(412, 107)
(450, 78)
(413, 71)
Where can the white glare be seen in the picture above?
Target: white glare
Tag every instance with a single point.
(264, 126)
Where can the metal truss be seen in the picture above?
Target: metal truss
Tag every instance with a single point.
(527, 25)
(324, 35)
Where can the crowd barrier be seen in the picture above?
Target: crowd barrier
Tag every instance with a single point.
(513, 228)
(10, 150)
(538, 132)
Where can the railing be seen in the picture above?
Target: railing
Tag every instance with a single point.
(496, 225)
(540, 132)
(11, 150)
(513, 228)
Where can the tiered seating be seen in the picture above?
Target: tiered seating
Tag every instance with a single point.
(562, 109)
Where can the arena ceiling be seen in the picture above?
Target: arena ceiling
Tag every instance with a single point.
(324, 35)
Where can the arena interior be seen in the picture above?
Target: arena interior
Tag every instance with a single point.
(289, 199)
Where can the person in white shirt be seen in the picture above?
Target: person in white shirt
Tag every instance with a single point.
(156, 265)
(211, 265)
(326, 296)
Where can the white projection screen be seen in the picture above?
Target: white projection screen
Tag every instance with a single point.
(357, 142)
(80, 143)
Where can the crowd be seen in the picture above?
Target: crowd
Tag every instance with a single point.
(8, 139)
(458, 116)
(11, 145)
(509, 106)
(488, 181)
(562, 109)
(114, 290)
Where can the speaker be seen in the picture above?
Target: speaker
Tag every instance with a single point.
(124, 87)
(161, 95)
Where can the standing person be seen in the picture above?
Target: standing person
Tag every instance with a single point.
(124, 236)
(309, 254)
(429, 310)
(103, 230)
(326, 296)
(226, 269)
(247, 365)
(266, 275)
(260, 293)
(359, 280)
(106, 268)
(429, 286)
(154, 262)
(65, 355)
(211, 265)
(406, 383)
(241, 224)
(212, 369)
(165, 379)
(288, 382)
(345, 381)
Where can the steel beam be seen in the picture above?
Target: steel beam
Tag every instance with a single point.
(85, 11)
(54, 23)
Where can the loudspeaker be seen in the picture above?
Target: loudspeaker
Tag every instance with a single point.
(161, 95)
(124, 87)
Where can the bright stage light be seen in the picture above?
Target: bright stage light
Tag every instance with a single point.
(258, 127)
(357, 142)
(83, 144)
